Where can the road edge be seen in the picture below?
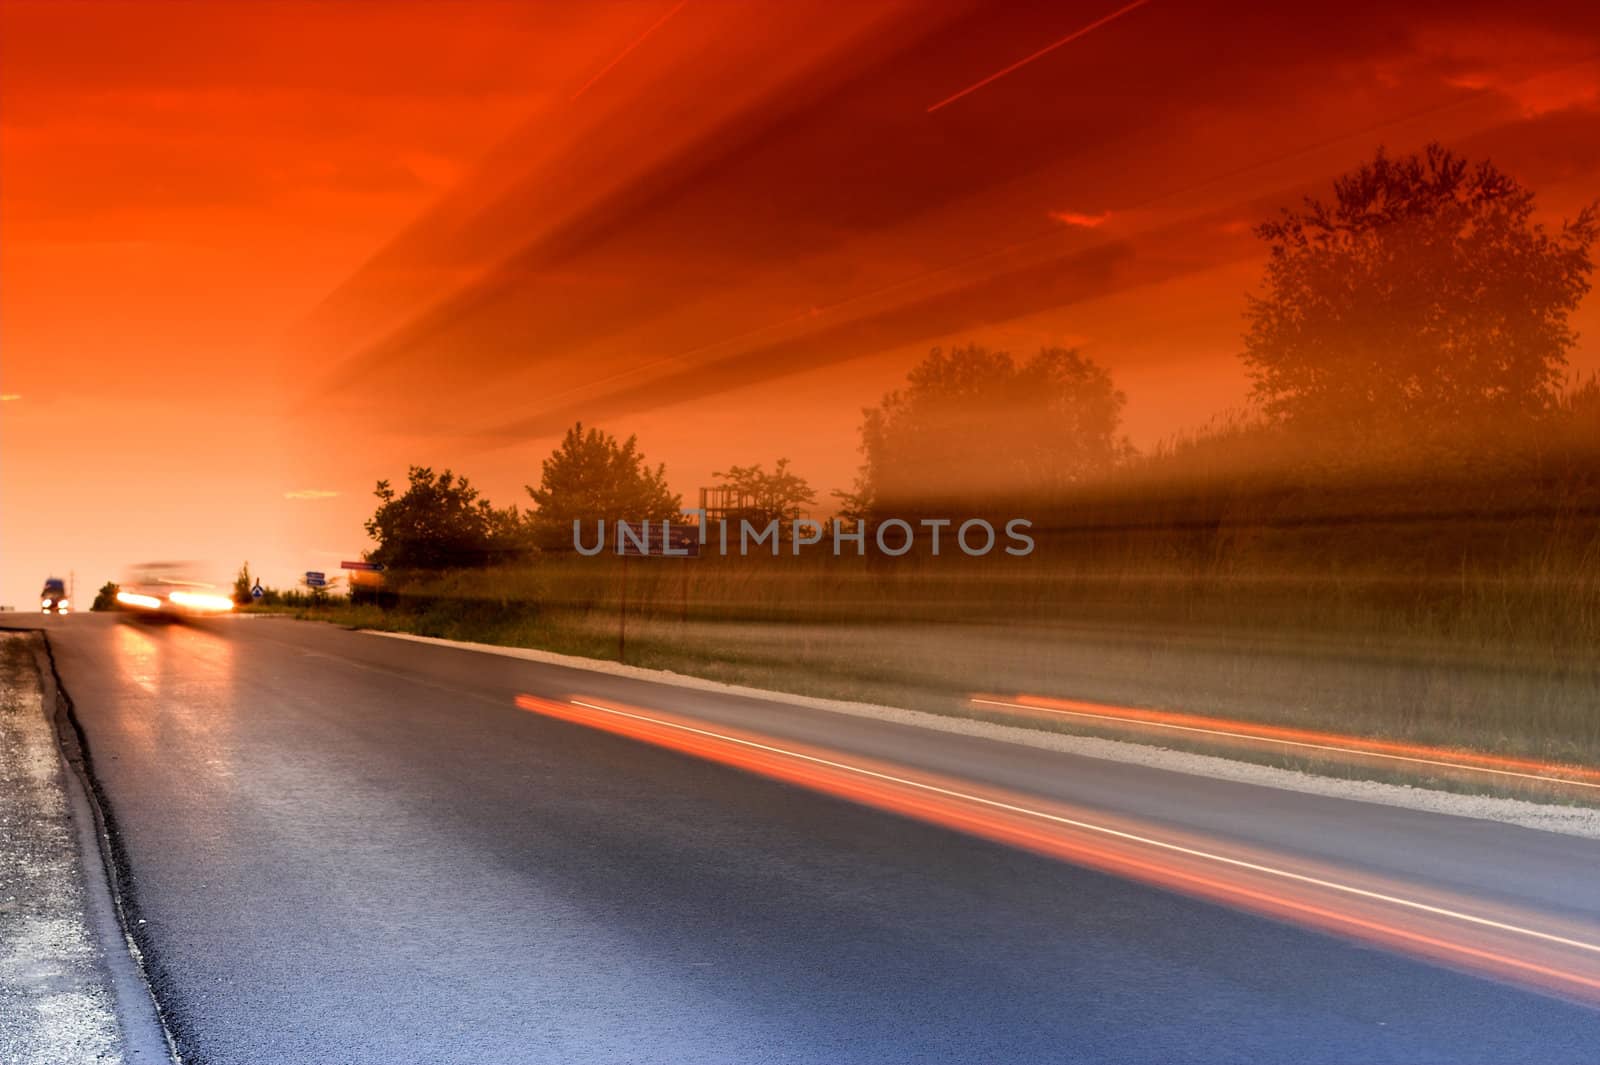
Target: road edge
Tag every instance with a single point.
(146, 1036)
(1562, 820)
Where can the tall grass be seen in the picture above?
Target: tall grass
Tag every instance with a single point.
(1448, 592)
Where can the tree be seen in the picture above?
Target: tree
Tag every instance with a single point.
(591, 477)
(975, 425)
(1424, 294)
(242, 585)
(767, 496)
(508, 533)
(106, 597)
(438, 523)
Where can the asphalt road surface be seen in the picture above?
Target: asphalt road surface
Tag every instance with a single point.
(341, 847)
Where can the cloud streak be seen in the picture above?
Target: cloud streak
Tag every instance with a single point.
(624, 53)
(310, 493)
(1080, 219)
(1040, 54)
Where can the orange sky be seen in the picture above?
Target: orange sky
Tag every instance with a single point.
(253, 257)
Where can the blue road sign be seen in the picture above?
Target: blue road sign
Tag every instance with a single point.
(257, 592)
(657, 539)
(316, 579)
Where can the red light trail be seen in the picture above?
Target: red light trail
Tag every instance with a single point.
(1491, 939)
(1307, 739)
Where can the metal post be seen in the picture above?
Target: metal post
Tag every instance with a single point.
(622, 616)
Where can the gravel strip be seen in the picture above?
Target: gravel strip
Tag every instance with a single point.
(56, 1003)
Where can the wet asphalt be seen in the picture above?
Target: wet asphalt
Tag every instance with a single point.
(339, 847)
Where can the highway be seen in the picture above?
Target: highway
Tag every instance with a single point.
(343, 847)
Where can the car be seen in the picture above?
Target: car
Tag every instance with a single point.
(168, 589)
(53, 599)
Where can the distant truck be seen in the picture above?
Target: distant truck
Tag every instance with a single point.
(53, 600)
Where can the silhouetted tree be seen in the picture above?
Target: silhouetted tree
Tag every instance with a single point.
(590, 477)
(106, 597)
(1423, 294)
(242, 583)
(974, 425)
(438, 523)
(779, 495)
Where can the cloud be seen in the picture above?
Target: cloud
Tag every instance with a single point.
(1539, 69)
(10, 397)
(310, 493)
(1078, 218)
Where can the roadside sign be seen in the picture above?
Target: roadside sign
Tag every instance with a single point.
(316, 579)
(684, 540)
(363, 567)
(655, 539)
(257, 592)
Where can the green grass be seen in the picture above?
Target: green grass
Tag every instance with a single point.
(1498, 662)
(1456, 606)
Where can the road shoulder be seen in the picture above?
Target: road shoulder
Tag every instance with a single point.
(69, 993)
(1566, 820)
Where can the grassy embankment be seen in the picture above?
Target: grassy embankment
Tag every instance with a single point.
(1460, 609)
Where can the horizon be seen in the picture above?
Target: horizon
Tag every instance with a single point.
(517, 255)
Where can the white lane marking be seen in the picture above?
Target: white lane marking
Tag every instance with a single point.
(1178, 848)
(1290, 743)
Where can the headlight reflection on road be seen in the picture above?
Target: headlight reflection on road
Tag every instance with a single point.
(1527, 948)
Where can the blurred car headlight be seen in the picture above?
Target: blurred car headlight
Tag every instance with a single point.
(137, 599)
(202, 601)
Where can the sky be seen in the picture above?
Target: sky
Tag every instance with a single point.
(255, 257)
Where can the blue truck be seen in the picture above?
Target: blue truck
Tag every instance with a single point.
(53, 600)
